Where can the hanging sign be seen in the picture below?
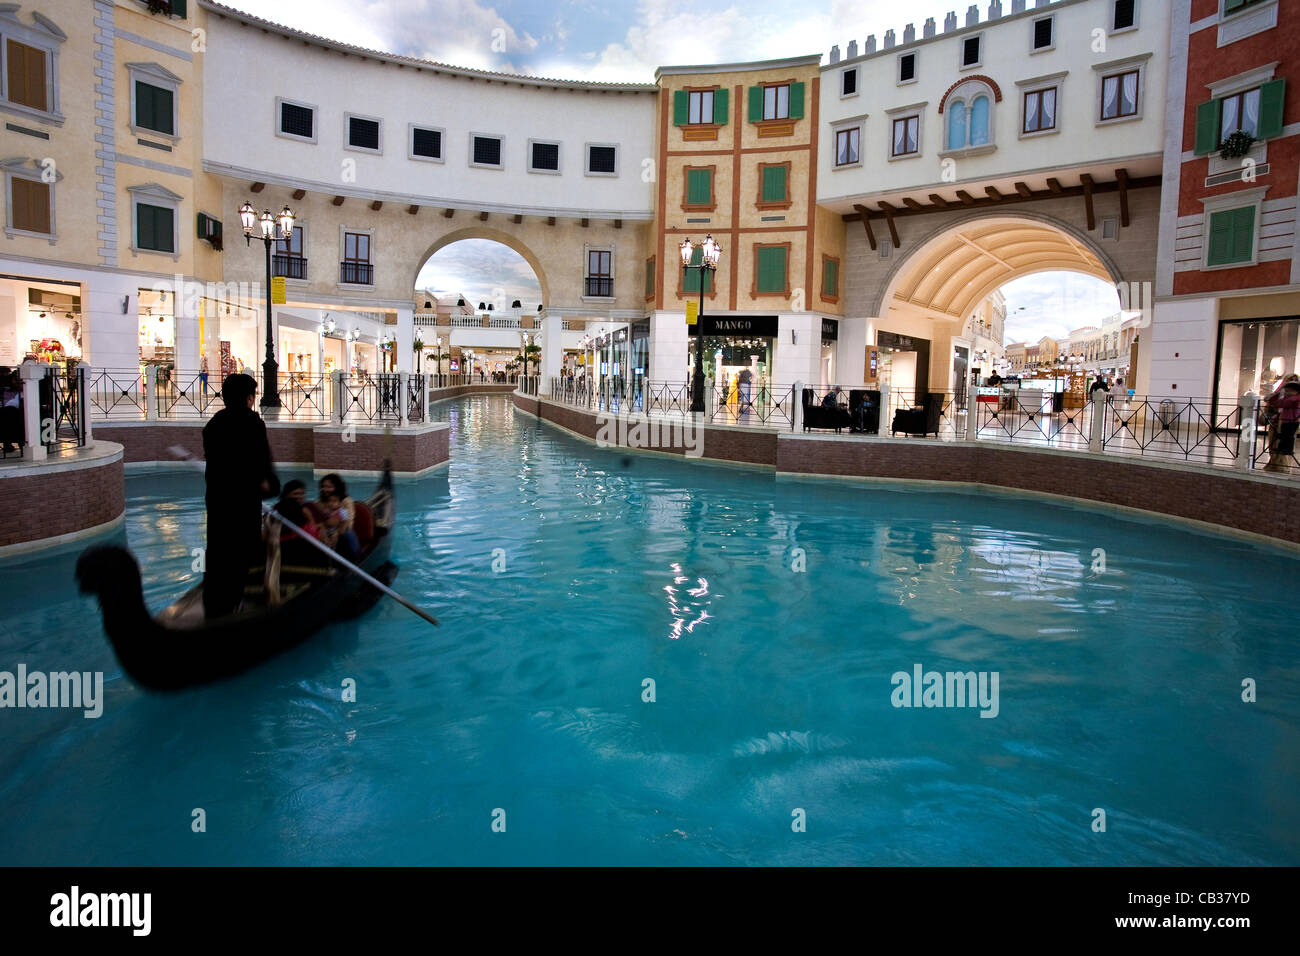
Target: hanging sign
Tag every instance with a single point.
(277, 291)
(692, 312)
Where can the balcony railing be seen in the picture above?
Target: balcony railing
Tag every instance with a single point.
(600, 286)
(291, 267)
(357, 273)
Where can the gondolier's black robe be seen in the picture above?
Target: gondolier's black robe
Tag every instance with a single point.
(239, 476)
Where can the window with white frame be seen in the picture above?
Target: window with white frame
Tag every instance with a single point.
(907, 67)
(426, 143)
(155, 211)
(969, 122)
(356, 265)
(363, 132)
(599, 279)
(700, 106)
(776, 102)
(602, 159)
(849, 82)
(1231, 229)
(972, 51)
(848, 146)
(486, 150)
(543, 156)
(1123, 15)
(294, 120)
(1043, 37)
(905, 138)
(29, 198)
(29, 60)
(154, 95)
(1120, 89)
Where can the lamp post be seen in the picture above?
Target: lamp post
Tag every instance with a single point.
(269, 225)
(710, 253)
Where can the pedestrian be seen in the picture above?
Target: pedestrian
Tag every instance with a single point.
(746, 378)
(1285, 403)
(239, 475)
(1099, 384)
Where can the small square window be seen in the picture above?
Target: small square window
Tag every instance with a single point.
(849, 82)
(1110, 228)
(1043, 34)
(1125, 14)
(155, 228)
(485, 151)
(700, 107)
(426, 143)
(543, 157)
(363, 133)
(602, 160)
(154, 108)
(907, 68)
(776, 102)
(297, 120)
(970, 51)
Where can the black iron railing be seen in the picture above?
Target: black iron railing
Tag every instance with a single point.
(357, 273)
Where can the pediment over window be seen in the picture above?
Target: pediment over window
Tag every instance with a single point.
(41, 24)
(26, 164)
(154, 71)
(154, 191)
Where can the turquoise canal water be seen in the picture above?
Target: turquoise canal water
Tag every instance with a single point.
(1118, 690)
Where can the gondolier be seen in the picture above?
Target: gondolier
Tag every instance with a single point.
(239, 475)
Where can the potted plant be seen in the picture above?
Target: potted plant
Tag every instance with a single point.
(160, 6)
(1237, 145)
(418, 346)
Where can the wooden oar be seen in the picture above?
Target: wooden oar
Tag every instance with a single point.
(344, 562)
(178, 451)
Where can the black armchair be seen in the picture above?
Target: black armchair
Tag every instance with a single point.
(816, 415)
(920, 421)
(864, 410)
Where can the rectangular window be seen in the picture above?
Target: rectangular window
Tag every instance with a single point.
(1043, 33)
(830, 278)
(691, 279)
(1232, 237)
(773, 185)
(1125, 14)
(699, 187)
(701, 106)
(847, 142)
(545, 157)
(650, 277)
(600, 281)
(770, 270)
(363, 133)
(1119, 95)
(970, 51)
(155, 228)
(602, 160)
(906, 138)
(1239, 113)
(153, 108)
(486, 150)
(1040, 110)
(849, 82)
(426, 143)
(29, 201)
(25, 75)
(776, 102)
(907, 68)
(356, 267)
(287, 259)
(1232, 6)
(297, 120)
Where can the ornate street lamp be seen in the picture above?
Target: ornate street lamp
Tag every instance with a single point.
(710, 253)
(269, 225)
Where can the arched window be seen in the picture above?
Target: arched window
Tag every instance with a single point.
(979, 121)
(970, 116)
(957, 125)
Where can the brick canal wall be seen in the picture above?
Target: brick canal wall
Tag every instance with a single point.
(1251, 504)
(56, 501)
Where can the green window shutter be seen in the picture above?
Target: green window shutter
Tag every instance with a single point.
(1207, 127)
(771, 269)
(699, 187)
(145, 227)
(1243, 234)
(203, 225)
(796, 101)
(162, 106)
(831, 279)
(649, 277)
(1271, 97)
(681, 107)
(720, 102)
(756, 104)
(1231, 5)
(774, 184)
(178, 8)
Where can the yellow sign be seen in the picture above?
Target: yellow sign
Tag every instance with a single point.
(277, 291)
(692, 312)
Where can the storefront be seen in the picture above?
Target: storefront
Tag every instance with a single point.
(228, 336)
(1254, 355)
(734, 343)
(40, 320)
(299, 348)
(830, 337)
(157, 331)
(903, 362)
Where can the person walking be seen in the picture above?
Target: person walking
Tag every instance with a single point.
(239, 475)
(746, 377)
(1285, 403)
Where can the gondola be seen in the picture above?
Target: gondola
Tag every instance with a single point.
(178, 647)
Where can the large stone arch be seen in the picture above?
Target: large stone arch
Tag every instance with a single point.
(495, 235)
(1078, 253)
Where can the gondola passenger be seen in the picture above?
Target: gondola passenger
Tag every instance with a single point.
(344, 512)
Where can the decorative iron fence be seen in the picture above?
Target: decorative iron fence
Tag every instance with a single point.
(1010, 417)
(116, 393)
(760, 404)
(1185, 428)
(63, 408)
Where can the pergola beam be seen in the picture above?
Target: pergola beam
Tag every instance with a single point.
(1088, 184)
(1121, 177)
(866, 222)
(889, 218)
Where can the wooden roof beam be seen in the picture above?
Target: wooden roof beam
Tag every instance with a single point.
(993, 193)
(337, 201)
(448, 213)
(482, 217)
(1024, 190)
(299, 193)
(1054, 184)
(939, 201)
(866, 223)
(413, 209)
(1121, 177)
(1086, 179)
(550, 220)
(377, 205)
(889, 211)
(518, 219)
(257, 187)
(966, 198)
(911, 203)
